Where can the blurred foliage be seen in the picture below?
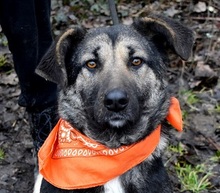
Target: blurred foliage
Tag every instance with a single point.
(195, 179)
(2, 154)
(3, 40)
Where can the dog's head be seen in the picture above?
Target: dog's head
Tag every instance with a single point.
(112, 79)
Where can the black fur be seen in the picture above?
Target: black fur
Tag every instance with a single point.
(83, 89)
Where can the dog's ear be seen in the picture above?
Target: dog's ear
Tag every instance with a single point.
(52, 66)
(165, 30)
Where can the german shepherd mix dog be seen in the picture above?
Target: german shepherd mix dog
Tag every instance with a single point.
(113, 91)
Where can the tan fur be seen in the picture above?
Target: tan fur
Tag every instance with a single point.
(162, 23)
(59, 43)
(118, 103)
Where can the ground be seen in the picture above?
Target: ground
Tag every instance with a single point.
(193, 156)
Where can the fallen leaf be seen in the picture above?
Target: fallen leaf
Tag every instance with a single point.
(171, 11)
(203, 70)
(204, 77)
(10, 79)
(200, 7)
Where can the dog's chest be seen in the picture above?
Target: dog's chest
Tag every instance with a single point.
(113, 186)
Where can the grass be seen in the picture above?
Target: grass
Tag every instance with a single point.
(189, 97)
(184, 114)
(217, 108)
(195, 179)
(179, 149)
(216, 157)
(192, 178)
(3, 61)
(5, 65)
(2, 154)
(3, 40)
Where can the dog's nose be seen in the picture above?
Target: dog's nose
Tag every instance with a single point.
(116, 100)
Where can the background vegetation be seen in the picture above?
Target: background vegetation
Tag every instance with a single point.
(192, 158)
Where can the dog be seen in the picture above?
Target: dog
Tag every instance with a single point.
(113, 90)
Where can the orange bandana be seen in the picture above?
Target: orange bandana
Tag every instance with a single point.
(70, 160)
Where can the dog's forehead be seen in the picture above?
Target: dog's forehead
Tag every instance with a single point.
(120, 37)
(113, 32)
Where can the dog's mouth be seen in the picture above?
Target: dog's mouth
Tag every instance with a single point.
(117, 121)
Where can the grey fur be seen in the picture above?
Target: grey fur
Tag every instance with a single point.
(83, 90)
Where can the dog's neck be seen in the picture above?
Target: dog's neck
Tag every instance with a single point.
(66, 149)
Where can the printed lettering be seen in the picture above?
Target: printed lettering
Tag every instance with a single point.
(115, 150)
(74, 152)
(69, 152)
(80, 151)
(111, 152)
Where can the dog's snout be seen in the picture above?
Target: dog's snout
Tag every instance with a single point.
(116, 100)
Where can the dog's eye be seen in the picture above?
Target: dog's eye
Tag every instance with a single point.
(136, 62)
(91, 64)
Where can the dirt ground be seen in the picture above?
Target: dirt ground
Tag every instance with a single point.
(195, 82)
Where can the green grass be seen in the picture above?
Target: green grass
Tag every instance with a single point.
(2, 154)
(193, 178)
(3, 40)
(3, 61)
(190, 97)
(5, 65)
(184, 114)
(217, 108)
(179, 149)
(216, 157)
